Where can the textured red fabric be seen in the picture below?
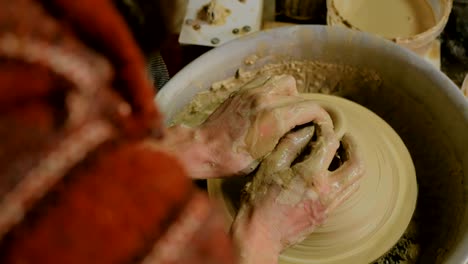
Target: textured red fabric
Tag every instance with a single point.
(110, 209)
(98, 23)
(114, 204)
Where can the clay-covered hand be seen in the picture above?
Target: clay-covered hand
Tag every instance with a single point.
(286, 202)
(243, 130)
(249, 124)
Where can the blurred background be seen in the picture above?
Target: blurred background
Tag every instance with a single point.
(450, 53)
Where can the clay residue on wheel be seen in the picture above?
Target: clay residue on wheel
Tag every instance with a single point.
(440, 176)
(311, 77)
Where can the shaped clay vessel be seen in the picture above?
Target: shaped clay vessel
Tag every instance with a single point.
(368, 224)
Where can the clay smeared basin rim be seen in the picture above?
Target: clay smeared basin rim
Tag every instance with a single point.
(411, 74)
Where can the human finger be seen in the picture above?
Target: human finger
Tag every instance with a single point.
(264, 136)
(322, 152)
(289, 148)
(352, 169)
(340, 197)
(345, 176)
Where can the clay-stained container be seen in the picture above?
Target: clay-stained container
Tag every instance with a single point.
(419, 43)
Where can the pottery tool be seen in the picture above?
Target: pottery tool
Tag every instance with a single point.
(214, 22)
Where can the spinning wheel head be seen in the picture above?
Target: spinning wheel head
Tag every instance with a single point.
(373, 219)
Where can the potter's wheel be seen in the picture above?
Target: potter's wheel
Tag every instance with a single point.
(374, 218)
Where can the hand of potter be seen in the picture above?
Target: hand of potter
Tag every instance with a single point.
(286, 203)
(243, 130)
(249, 124)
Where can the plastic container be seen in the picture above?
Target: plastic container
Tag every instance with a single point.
(419, 43)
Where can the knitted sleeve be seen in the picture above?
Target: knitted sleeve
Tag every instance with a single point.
(77, 184)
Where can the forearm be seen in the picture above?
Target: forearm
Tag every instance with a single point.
(255, 242)
(198, 153)
(256, 251)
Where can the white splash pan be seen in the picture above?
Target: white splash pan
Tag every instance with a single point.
(400, 69)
